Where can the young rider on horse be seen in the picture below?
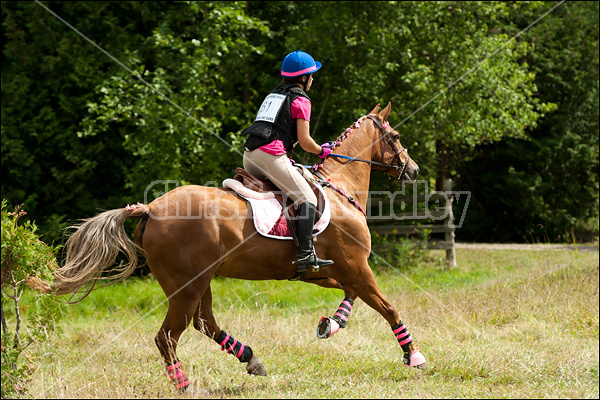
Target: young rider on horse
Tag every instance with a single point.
(282, 121)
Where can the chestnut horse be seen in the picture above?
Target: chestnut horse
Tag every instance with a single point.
(193, 233)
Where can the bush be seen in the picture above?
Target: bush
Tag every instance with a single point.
(398, 251)
(23, 255)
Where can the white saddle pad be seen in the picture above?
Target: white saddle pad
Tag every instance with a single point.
(267, 212)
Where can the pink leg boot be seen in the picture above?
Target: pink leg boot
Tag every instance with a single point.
(327, 327)
(414, 359)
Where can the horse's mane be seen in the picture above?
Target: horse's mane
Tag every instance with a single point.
(346, 132)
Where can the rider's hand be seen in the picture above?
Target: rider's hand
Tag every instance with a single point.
(326, 149)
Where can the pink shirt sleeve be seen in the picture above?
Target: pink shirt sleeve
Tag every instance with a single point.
(301, 108)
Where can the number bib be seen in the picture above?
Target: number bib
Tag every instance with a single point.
(270, 107)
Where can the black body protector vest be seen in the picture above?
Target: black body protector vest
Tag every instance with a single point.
(274, 119)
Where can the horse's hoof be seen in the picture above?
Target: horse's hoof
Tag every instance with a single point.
(256, 367)
(414, 359)
(327, 327)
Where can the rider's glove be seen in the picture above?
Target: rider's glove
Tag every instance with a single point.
(326, 149)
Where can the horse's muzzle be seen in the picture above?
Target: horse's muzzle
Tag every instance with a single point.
(411, 173)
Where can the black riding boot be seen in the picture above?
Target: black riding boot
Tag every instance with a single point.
(306, 253)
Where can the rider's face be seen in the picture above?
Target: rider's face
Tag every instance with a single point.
(309, 83)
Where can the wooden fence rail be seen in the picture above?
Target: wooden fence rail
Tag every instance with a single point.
(389, 214)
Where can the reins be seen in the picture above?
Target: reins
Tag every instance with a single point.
(378, 164)
(386, 134)
(327, 183)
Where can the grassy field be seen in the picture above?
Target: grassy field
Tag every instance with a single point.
(502, 324)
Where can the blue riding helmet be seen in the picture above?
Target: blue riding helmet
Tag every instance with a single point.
(298, 63)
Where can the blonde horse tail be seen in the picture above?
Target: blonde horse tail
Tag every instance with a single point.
(91, 252)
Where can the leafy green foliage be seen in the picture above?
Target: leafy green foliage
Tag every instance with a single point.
(81, 134)
(48, 76)
(542, 187)
(187, 110)
(399, 252)
(23, 255)
(437, 62)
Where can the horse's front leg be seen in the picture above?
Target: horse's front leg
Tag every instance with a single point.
(328, 326)
(365, 286)
(205, 322)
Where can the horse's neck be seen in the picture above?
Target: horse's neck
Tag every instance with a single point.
(352, 177)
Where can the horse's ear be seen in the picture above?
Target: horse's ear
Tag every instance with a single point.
(385, 113)
(375, 110)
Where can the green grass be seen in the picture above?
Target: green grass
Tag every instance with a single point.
(502, 324)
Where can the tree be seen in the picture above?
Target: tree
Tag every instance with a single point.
(23, 255)
(184, 124)
(49, 73)
(545, 186)
(75, 125)
(454, 78)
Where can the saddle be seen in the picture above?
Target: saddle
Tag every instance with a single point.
(265, 186)
(290, 212)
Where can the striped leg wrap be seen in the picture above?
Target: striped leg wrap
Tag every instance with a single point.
(403, 336)
(232, 346)
(175, 372)
(343, 312)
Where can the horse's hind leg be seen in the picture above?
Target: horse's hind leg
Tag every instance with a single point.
(204, 321)
(368, 291)
(181, 311)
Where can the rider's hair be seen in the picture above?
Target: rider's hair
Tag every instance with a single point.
(295, 79)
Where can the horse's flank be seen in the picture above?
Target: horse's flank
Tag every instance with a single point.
(192, 219)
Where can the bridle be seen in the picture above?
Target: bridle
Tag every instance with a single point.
(387, 135)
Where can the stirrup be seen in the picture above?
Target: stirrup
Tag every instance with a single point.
(311, 261)
(315, 264)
